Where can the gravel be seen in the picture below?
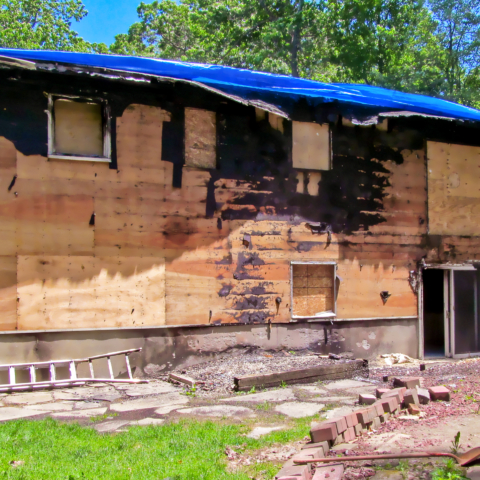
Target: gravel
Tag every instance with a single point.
(215, 376)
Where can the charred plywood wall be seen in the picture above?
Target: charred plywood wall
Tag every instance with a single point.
(163, 240)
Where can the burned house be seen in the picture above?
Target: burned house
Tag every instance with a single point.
(190, 209)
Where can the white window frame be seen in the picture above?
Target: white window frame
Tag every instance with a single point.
(324, 315)
(106, 121)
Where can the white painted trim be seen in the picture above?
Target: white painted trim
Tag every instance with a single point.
(82, 159)
(421, 325)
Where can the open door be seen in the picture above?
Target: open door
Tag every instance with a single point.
(464, 328)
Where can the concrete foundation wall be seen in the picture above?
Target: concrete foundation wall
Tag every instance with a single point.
(170, 347)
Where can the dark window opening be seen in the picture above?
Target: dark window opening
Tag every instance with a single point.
(433, 313)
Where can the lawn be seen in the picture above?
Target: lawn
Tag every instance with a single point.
(185, 450)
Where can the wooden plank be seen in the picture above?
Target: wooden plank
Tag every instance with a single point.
(8, 293)
(200, 138)
(65, 292)
(304, 375)
(453, 189)
(311, 146)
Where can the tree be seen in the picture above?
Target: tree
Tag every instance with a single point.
(385, 42)
(280, 36)
(458, 32)
(43, 24)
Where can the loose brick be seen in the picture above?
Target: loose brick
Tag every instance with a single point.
(372, 412)
(363, 416)
(423, 396)
(351, 419)
(384, 418)
(309, 453)
(333, 471)
(358, 429)
(323, 432)
(380, 391)
(325, 446)
(413, 409)
(395, 395)
(366, 399)
(439, 393)
(378, 408)
(339, 422)
(389, 404)
(411, 397)
(340, 439)
(297, 472)
(376, 422)
(349, 434)
(407, 382)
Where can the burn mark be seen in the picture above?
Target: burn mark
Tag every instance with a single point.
(227, 260)
(350, 195)
(12, 183)
(249, 318)
(250, 303)
(225, 290)
(92, 220)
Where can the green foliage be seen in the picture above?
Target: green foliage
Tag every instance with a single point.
(456, 444)
(449, 471)
(43, 24)
(186, 450)
(283, 384)
(252, 390)
(411, 45)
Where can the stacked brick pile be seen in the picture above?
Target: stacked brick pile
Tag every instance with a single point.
(377, 410)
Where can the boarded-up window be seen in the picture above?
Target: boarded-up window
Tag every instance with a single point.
(313, 290)
(311, 146)
(78, 129)
(453, 189)
(200, 138)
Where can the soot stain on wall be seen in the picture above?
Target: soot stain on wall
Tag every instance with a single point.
(350, 195)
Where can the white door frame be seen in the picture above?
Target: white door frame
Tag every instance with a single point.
(449, 310)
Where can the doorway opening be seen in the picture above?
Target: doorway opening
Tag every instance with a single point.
(433, 313)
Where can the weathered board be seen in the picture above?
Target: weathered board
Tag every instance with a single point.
(304, 375)
(453, 189)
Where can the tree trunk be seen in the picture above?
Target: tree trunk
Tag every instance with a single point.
(296, 37)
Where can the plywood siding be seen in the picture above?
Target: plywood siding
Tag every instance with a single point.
(71, 292)
(453, 189)
(85, 246)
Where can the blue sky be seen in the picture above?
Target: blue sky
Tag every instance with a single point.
(106, 18)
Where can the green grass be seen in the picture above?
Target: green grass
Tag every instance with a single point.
(184, 450)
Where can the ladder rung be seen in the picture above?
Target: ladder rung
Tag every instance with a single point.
(11, 375)
(73, 370)
(90, 364)
(110, 369)
(33, 374)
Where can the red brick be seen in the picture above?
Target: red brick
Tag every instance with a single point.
(297, 472)
(395, 395)
(363, 416)
(411, 397)
(351, 419)
(349, 434)
(339, 422)
(389, 404)
(372, 412)
(340, 439)
(439, 393)
(380, 391)
(309, 453)
(358, 429)
(325, 446)
(413, 409)
(323, 432)
(333, 471)
(378, 408)
(407, 382)
(366, 399)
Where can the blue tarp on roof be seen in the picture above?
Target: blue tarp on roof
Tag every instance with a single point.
(252, 85)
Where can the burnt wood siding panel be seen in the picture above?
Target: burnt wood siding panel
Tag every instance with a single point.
(226, 236)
